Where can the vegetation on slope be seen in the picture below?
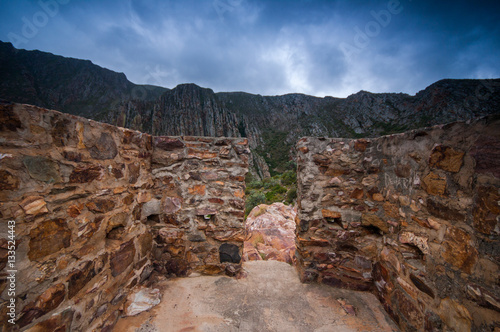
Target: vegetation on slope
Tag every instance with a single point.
(278, 188)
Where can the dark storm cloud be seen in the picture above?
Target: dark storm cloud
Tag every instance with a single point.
(268, 47)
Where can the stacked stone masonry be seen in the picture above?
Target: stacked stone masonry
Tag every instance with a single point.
(99, 210)
(412, 217)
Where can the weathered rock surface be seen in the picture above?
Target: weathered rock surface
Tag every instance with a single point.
(141, 300)
(413, 217)
(99, 210)
(270, 233)
(270, 298)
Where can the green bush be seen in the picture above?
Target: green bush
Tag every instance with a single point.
(253, 200)
(291, 195)
(289, 178)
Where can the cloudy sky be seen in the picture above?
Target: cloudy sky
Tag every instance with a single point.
(320, 48)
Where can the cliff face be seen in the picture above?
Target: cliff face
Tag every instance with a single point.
(272, 124)
(70, 85)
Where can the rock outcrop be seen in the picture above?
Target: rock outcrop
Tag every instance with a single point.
(270, 233)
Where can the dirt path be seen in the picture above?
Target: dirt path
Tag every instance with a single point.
(270, 298)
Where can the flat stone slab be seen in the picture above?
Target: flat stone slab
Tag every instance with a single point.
(270, 298)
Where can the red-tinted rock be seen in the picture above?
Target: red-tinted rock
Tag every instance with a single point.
(104, 148)
(458, 250)
(446, 158)
(486, 210)
(85, 174)
(48, 237)
(201, 154)
(77, 279)
(9, 120)
(8, 181)
(101, 205)
(409, 309)
(133, 172)
(444, 212)
(58, 323)
(122, 258)
(168, 144)
(434, 184)
(361, 145)
(486, 152)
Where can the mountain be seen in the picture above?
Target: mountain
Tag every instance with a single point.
(271, 123)
(66, 84)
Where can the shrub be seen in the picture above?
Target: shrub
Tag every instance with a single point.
(253, 200)
(291, 195)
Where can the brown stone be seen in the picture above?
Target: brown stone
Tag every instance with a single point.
(104, 148)
(72, 156)
(239, 193)
(456, 316)
(47, 301)
(122, 258)
(330, 214)
(34, 205)
(75, 210)
(168, 144)
(48, 237)
(444, 212)
(58, 323)
(313, 242)
(101, 205)
(446, 158)
(486, 152)
(9, 120)
(201, 154)
(237, 203)
(117, 172)
(434, 184)
(8, 181)
(51, 298)
(486, 210)
(198, 189)
(458, 251)
(79, 278)
(419, 241)
(361, 145)
(421, 285)
(42, 169)
(357, 193)
(409, 309)
(373, 220)
(378, 197)
(403, 170)
(134, 170)
(225, 152)
(321, 160)
(391, 210)
(85, 174)
(216, 200)
(303, 149)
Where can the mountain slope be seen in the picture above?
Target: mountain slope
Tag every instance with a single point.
(65, 84)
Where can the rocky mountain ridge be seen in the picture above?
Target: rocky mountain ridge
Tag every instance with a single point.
(272, 123)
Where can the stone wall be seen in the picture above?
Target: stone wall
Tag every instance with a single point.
(99, 209)
(412, 217)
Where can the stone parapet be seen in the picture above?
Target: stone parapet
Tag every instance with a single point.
(97, 209)
(413, 217)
